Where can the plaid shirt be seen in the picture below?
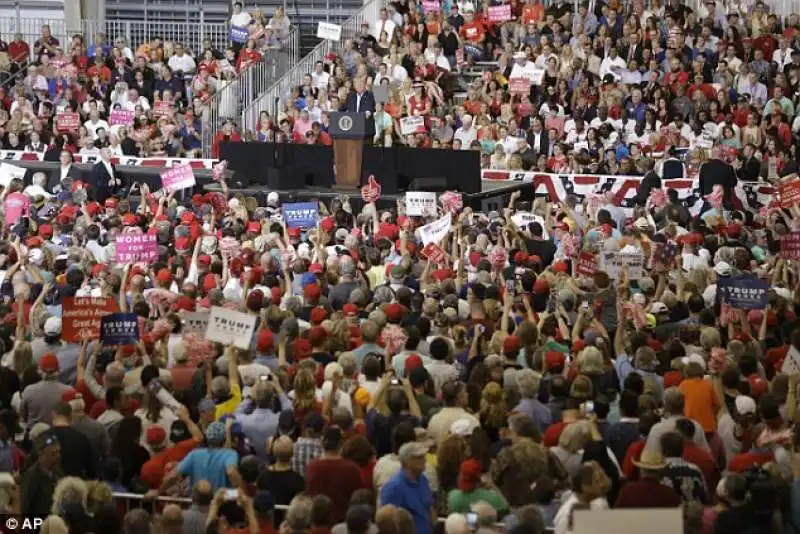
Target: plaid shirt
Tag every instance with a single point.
(305, 450)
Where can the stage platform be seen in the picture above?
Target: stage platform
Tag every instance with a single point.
(494, 195)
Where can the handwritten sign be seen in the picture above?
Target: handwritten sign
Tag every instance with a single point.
(81, 317)
(789, 193)
(500, 13)
(123, 117)
(435, 231)
(177, 178)
(133, 248)
(301, 214)
(195, 323)
(420, 203)
(331, 32)
(163, 108)
(587, 264)
(67, 121)
(412, 125)
(119, 328)
(372, 191)
(790, 246)
(743, 292)
(237, 34)
(519, 86)
(230, 327)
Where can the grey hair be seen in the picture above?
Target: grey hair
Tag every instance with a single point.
(298, 516)
(528, 383)
(384, 295)
(349, 363)
(39, 178)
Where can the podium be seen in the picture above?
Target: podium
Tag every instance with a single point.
(348, 131)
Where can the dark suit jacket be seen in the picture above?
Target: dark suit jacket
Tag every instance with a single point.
(750, 171)
(367, 102)
(98, 180)
(543, 148)
(649, 182)
(55, 177)
(717, 172)
(637, 53)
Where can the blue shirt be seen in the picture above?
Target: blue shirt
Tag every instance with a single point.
(412, 495)
(536, 411)
(209, 464)
(261, 424)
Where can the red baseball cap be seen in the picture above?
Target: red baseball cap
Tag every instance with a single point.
(164, 276)
(350, 309)
(264, 341)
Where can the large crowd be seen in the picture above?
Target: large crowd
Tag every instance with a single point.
(553, 357)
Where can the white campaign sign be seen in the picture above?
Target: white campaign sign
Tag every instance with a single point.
(8, 172)
(523, 218)
(412, 125)
(230, 327)
(195, 322)
(331, 32)
(613, 262)
(435, 231)
(420, 203)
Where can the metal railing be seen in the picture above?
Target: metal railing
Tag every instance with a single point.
(232, 96)
(273, 100)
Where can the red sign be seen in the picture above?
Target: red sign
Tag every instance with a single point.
(68, 121)
(519, 86)
(587, 264)
(372, 191)
(163, 108)
(500, 13)
(789, 193)
(790, 246)
(434, 253)
(81, 317)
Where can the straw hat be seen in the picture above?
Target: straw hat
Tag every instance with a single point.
(651, 461)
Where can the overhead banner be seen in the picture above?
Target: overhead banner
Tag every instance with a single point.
(743, 292)
(230, 327)
(435, 231)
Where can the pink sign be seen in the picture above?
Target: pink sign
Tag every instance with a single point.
(67, 121)
(177, 178)
(500, 13)
(121, 116)
(430, 6)
(132, 248)
(519, 86)
(163, 108)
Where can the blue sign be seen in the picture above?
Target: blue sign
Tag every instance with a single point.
(238, 34)
(300, 214)
(743, 292)
(119, 329)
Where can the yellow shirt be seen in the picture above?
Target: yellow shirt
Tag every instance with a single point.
(230, 405)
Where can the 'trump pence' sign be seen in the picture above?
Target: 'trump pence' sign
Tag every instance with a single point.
(230, 327)
(435, 231)
(300, 214)
(743, 292)
(119, 328)
(195, 323)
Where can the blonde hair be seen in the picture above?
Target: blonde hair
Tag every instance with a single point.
(494, 409)
(305, 389)
(710, 338)
(54, 525)
(23, 357)
(591, 361)
(69, 490)
(575, 436)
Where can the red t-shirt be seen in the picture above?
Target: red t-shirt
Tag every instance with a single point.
(473, 32)
(745, 460)
(337, 478)
(630, 471)
(553, 433)
(153, 470)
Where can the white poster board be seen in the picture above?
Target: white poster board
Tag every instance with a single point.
(195, 322)
(613, 262)
(435, 231)
(331, 32)
(8, 172)
(230, 327)
(420, 203)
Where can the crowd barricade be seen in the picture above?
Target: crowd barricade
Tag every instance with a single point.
(134, 500)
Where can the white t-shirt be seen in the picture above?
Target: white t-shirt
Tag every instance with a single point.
(184, 63)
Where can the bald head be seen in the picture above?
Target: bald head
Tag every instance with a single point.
(114, 375)
(203, 493)
(172, 518)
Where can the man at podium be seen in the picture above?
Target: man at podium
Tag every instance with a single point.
(362, 101)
